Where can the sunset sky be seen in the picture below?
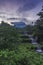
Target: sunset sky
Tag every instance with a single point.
(20, 10)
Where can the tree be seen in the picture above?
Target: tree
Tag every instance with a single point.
(40, 20)
(8, 36)
(39, 26)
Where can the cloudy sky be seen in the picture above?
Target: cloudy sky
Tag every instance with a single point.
(20, 10)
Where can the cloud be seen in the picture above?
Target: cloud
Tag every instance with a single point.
(15, 10)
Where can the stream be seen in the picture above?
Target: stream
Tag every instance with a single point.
(34, 42)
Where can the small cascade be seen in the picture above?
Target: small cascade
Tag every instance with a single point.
(34, 42)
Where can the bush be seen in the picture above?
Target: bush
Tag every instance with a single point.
(22, 58)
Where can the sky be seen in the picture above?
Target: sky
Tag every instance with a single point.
(20, 10)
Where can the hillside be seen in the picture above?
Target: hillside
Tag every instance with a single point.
(15, 50)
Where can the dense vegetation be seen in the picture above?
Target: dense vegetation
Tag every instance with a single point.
(8, 36)
(39, 28)
(16, 49)
(22, 56)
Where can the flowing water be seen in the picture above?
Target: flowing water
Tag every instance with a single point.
(34, 42)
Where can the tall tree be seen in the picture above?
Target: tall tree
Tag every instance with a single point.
(39, 26)
(40, 20)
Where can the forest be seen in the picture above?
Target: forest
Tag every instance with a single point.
(16, 48)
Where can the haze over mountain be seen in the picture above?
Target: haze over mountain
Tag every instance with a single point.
(17, 10)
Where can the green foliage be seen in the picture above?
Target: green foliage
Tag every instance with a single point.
(8, 36)
(13, 52)
(29, 29)
(38, 30)
(23, 57)
(25, 39)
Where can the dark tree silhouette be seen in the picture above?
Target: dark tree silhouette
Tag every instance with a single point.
(39, 26)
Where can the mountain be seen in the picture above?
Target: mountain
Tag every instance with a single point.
(19, 24)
